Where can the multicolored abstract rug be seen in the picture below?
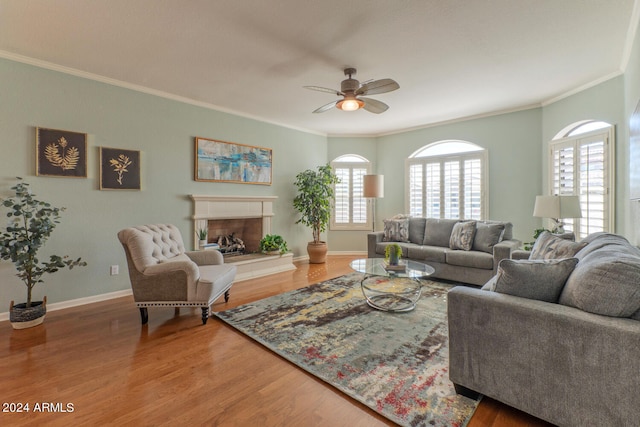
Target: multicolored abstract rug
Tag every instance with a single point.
(395, 363)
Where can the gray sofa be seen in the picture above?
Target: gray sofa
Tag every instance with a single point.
(571, 362)
(429, 240)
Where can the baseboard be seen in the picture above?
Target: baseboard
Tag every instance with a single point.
(79, 301)
(358, 253)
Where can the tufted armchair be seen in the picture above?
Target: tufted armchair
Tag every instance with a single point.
(163, 274)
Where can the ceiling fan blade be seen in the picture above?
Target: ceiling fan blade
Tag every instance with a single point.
(324, 89)
(374, 106)
(326, 107)
(378, 86)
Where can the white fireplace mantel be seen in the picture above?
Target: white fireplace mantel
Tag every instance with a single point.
(207, 208)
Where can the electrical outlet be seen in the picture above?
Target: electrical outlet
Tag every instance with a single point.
(115, 269)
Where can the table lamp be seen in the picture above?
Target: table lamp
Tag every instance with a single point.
(557, 208)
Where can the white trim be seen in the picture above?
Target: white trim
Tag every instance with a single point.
(143, 89)
(80, 301)
(349, 253)
(579, 89)
(631, 35)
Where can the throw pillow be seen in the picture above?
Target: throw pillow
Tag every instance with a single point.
(548, 246)
(606, 282)
(396, 230)
(541, 280)
(462, 235)
(487, 236)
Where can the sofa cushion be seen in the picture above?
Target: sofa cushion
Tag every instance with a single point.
(606, 281)
(541, 280)
(548, 246)
(462, 235)
(508, 228)
(396, 230)
(428, 253)
(472, 259)
(438, 231)
(487, 236)
(416, 230)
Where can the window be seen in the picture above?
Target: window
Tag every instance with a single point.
(581, 163)
(447, 180)
(350, 210)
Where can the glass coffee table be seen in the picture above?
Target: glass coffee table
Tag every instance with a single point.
(389, 289)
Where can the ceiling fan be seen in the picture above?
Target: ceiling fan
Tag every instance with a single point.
(351, 91)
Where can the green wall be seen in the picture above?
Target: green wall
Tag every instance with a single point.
(163, 130)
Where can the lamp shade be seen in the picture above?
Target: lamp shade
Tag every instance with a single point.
(557, 207)
(373, 186)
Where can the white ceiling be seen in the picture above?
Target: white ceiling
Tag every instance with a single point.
(452, 58)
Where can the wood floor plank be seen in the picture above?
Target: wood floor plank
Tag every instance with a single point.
(175, 371)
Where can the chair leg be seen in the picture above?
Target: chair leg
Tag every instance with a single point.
(226, 296)
(144, 314)
(205, 315)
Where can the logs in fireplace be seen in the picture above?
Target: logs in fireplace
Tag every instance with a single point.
(230, 244)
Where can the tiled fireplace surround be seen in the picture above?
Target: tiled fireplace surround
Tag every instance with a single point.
(250, 216)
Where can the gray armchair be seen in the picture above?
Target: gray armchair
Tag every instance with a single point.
(163, 274)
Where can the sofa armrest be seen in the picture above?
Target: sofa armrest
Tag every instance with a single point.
(559, 363)
(503, 250)
(372, 240)
(212, 257)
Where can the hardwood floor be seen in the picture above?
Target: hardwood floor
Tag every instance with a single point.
(103, 368)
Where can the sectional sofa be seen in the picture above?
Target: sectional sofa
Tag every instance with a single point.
(458, 250)
(556, 336)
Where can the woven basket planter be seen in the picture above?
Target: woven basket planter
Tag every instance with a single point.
(22, 317)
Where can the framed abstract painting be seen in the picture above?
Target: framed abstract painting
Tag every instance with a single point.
(221, 161)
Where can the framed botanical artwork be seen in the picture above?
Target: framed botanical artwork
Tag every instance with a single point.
(61, 153)
(221, 161)
(119, 169)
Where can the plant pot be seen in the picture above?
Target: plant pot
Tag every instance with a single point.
(272, 252)
(22, 317)
(317, 252)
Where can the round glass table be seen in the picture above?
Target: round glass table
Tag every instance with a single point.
(391, 288)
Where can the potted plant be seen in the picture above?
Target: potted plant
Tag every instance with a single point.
(273, 243)
(315, 193)
(201, 234)
(30, 225)
(393, 253)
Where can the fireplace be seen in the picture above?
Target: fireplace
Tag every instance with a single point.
(247, 218)
(235, 236)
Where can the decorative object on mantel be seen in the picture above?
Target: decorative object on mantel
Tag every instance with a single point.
(273, 244)
(373, 188)
(31, 223)
(557, 208)
(396, 364)
(221, 161)
(315, 193)
(61, 153)
(119, 169)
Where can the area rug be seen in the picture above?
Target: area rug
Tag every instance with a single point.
(395, 363)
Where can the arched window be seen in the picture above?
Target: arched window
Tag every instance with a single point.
(581, 164)
(447, 179)
(350, 210)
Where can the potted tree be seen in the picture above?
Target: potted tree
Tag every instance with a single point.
(315, 193)
(30, 225)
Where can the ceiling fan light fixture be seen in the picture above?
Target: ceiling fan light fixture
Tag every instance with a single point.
(350, 104)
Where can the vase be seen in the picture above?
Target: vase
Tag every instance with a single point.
(22, 317)
(393, 258)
